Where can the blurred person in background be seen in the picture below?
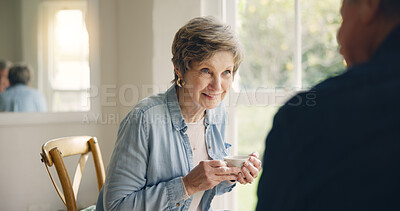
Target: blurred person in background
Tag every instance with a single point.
(19, 97)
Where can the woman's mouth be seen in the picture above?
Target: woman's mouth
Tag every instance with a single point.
(211, 96)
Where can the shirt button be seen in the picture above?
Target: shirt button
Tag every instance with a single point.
(177, 204)
(209, 147)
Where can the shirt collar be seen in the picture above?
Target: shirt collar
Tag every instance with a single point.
(178, 122)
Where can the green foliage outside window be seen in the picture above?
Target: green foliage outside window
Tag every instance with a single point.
(266, 29)
(321, 58)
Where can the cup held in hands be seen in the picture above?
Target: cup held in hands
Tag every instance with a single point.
(236, 161)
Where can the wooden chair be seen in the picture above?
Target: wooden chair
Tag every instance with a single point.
(55, 150)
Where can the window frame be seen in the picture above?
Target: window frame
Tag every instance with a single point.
(46, 46)
(261, 96)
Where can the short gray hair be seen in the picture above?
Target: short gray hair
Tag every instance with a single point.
(20, 74)
(200, 39)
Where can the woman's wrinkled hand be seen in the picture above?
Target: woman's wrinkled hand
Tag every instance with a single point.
(250, 169)
(208, 174)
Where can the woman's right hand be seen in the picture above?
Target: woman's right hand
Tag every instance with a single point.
(208, 174)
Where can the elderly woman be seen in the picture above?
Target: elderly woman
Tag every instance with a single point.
(170, 147)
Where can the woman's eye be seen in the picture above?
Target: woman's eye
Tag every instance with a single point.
(205, 70)
(226, 72)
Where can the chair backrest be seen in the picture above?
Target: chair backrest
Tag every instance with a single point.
(55, 150)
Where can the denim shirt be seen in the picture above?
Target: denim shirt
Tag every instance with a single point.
(152, 153)
(21, 98)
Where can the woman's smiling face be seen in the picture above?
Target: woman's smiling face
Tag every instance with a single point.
(207, 82)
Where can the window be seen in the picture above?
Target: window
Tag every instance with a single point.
(64, 55)
(290, 45)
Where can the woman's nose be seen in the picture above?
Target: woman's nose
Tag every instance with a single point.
(215, 84)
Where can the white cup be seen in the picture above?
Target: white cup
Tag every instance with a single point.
(236, 160)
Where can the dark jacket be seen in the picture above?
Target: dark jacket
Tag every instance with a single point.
(337, 146)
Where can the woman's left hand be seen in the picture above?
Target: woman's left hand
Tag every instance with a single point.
(251, 170)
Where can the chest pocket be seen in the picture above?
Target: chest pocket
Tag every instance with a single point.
(216, 146)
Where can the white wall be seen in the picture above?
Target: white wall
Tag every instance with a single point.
(168, 17)
(24, 181)
(134, 39)
(135, 51)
